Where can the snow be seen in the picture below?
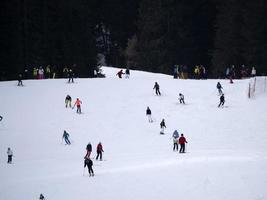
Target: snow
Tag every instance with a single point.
(226, 153)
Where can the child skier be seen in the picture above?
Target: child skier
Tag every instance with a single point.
(66, 137)
(89, 163)
(222, 100)
(162, 126)
(9, 155)
(156, 87)
(68, 101)
(181, 98)
(78, 104)
(89, 150)
(182, 141)
(175, 137)
(99, 150)
(219, 87)
(148, 113)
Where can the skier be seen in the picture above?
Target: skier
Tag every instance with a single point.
(222, 100)
(20, 80)
(70, 75)
(1, 118)
(78, 103)
(41, 73)
(68, 101)
(182, 141)
(162, 126)
(219, 87)
(42, 197)
(148, 113)
(175, 137)
(89, 163)
(66, 137)
(89, 150)
(119, 74)
(99, 150)
(9, 155)
(181, 98)
(253, 72)
(127, 73)
(156, 87)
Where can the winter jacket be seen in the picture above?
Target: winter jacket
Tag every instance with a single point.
(219, 86)
(156, 86)
(162, 124)
(9, 152)
(175, 134)
(182, 140)
(78, 102)
(222, 98)
(88, 162)
(89, 147)
(148, 111)
(65, 135)
(99, 148)
(68, 98)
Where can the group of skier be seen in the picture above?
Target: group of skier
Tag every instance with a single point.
(77, 103)
(127, 73)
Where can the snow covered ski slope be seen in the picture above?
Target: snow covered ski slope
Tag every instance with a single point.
(226, 154)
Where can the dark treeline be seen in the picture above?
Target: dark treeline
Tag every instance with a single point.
(151, 35)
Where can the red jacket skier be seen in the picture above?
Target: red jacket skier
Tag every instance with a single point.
(182, 141)
(119, 74)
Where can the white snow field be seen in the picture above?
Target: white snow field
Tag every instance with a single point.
(226, 156)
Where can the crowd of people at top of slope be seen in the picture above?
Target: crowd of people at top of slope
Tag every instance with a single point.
(200, 72)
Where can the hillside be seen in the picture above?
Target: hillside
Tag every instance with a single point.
(226, 153)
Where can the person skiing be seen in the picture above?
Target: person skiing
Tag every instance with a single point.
(127, 73)
(175, 137)
(148, 113)
(42, 197)
(66, 137)
(119, 74)
(181, 98)
(222, 100)
(182, 141)
(89, 163)
(219, 87)
(9, 155)
(20, 80)
(1, 118)
(78, 104)
(70, 75)
(162, 126)
(41, 73)
(99, 150)
(253, 72)
(68, 101)
(156, 87)
(89, 150)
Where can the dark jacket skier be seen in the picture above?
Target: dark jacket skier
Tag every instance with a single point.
(20, 80)
(181, 98)
(66, 137)
(219, 87)
(156, 87)
(68, 101)
(182, 141)
(42, 197)
(148, 113)
(222, 100)
(70, 75)
(99, 150)
(119, 74)
(9, 155)
(89, 163)
(162, 126)
(89, 150)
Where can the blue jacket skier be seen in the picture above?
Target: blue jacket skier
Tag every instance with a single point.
(66, 137)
